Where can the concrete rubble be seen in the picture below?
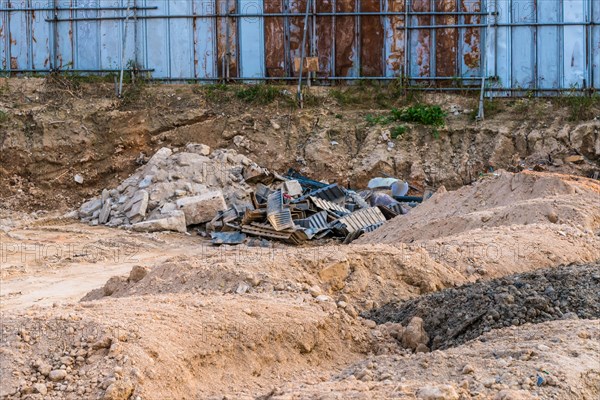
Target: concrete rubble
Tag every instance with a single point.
(229, 196)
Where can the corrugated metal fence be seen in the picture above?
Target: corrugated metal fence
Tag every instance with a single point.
(518, 45)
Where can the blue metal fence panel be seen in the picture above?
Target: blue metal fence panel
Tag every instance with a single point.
(531, 44)
(574, 57)
(251, 35)
(548, 51)
(471, 40)
(502, 34)
(205, 52)
(523, 44)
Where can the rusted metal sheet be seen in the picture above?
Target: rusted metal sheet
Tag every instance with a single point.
(534, 45)
(274, 40)
(471, 46)
(421, 40)
(446, 40)
(325, 38)
(226, 40)
(296, 32)
(345, 43)
(371, 33)
(395, 39)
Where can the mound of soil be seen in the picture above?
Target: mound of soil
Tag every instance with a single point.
(455, 316)
(551, 360)
(501, 199)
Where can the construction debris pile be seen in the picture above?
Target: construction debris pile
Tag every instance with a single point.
(231, 197)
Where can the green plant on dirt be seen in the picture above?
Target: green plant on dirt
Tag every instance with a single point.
(490, 108)
(133, 92)
(398, 131)
(345, 96)
(257, 94)
(580, 107)
(214, 92)
(3, 116)
(378, 119)
(521, 106)
(421, 114)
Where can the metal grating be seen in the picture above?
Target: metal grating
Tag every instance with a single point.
(277, 215)
(359, 219)
(332, 193)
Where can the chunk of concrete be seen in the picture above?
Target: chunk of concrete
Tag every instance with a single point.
(172, 221)
(87, 209)
(198, 148)
(105, 212)
(202, 208)
(136, 207)
(160, 156)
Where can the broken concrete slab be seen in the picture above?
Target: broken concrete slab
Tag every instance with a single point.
(198, 148)
(202, 208)
(105, 212)
(87, 209)
(138, 206)
(171, 221)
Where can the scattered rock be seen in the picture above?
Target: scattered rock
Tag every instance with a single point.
(57, 375)
(138, 273)
(552, 217)
(444, 392)
(414, 334)
(170, 221)
(202, 208)
(40, 388)
(119, 390)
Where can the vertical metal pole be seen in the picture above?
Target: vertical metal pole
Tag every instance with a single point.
(313, 41)
(120, 93)
(55, 37)
(333, 35)
(135, 39)
(589, 47)
(406, 41)
(300, 98)
(481, 114)
(357, 37)
(433, 41)
(535, 49)
(226, 59)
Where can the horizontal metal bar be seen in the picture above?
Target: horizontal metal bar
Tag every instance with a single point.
(327, 78)
(67, 71)
(519, 24)
(400, 27)
(319, 14)
(78, 9)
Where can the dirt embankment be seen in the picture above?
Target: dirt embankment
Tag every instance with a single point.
(50, 133)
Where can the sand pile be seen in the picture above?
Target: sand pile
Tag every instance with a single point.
(498, 200)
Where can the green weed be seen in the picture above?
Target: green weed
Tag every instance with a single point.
(257, 94)
(421, 114)
(398, 131)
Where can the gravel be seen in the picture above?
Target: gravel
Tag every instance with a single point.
(454, 316)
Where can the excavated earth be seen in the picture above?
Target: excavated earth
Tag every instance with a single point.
(455, 316)
(487, 290)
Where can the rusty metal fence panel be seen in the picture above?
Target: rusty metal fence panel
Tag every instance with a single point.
(515, 45)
